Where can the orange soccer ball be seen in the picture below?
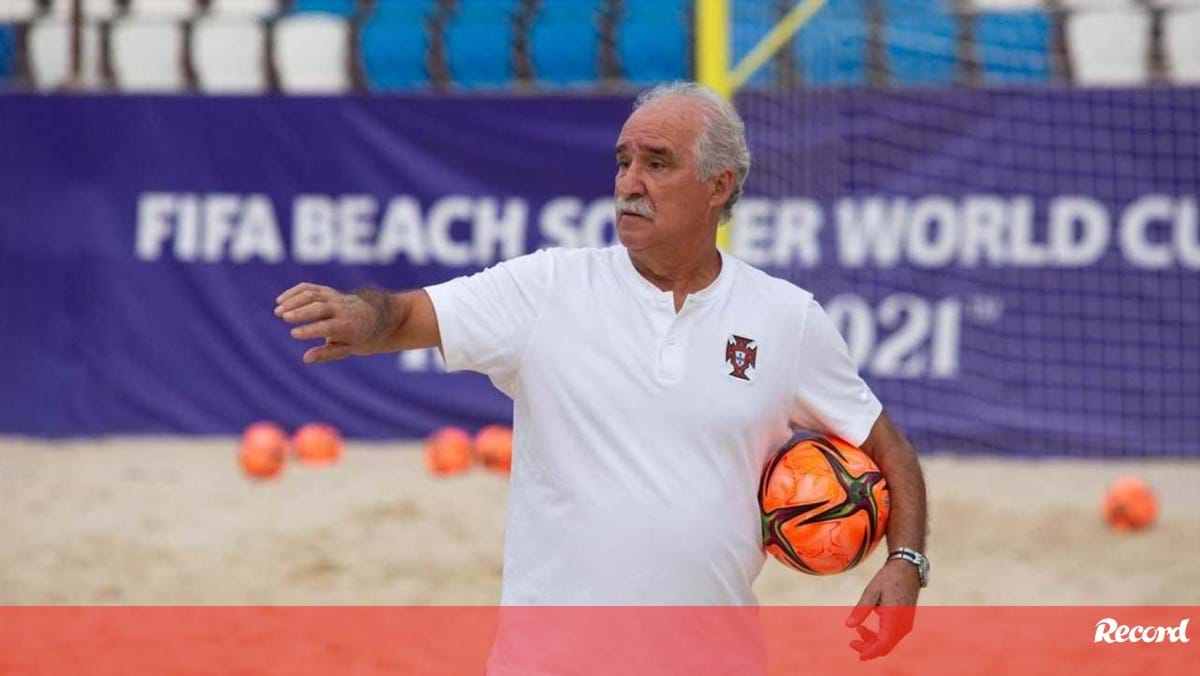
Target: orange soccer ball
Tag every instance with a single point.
(448, 451)
(317, 444)
(263, 451)
(1130, 504)
(824, 505)
(493, 447)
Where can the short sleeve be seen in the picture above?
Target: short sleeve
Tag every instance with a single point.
(830, 396)
(486, 319)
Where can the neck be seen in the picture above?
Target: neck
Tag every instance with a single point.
(682, 272)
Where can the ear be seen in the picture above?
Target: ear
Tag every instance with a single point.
(722, 189)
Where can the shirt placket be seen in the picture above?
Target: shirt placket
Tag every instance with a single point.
(671, 340)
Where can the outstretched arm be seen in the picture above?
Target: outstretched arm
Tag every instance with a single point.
(364, 322)
(892, 593)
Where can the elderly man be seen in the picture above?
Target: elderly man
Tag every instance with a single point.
(638, 445)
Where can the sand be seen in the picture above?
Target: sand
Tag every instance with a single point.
(170, 521)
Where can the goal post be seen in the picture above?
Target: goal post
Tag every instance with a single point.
(713, 49)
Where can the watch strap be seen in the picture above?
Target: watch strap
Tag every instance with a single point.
(915, 558)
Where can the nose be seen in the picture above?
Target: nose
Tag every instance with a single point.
(629, 183)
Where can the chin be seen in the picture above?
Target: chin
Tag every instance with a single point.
(634, 233)
(631, 240)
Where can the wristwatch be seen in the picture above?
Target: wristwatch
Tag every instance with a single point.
(915, 558)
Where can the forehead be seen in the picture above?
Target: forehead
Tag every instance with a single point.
(670, 124)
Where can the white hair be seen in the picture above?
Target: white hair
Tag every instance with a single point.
(721, 143)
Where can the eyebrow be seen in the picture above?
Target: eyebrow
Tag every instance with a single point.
(661, 151)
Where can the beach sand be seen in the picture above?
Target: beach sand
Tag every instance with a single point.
(172, 521)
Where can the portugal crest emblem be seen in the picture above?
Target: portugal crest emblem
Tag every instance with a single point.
(741, 354)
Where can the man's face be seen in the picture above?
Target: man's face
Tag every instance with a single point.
(656, 168)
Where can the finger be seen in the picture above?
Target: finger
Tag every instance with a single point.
(866, 638)
(327, 352)
(302, 286)
(297, 300)
(876, 649)
(886, 638)
(860, 612)
(323, 329)
(906, 617)
(309, 313)
(301, 298)
(895, 622)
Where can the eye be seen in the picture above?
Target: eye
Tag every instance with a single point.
(622, 164)
(658, 164)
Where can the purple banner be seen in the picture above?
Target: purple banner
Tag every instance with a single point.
(1015, 271)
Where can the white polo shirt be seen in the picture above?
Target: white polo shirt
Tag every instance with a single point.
(640, 433)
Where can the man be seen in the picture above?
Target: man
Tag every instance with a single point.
(638, 440)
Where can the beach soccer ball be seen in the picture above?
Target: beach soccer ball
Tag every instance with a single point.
(824, 505)
(448, 451)
(1130, 504)
(263, 450)
(317, 444)
(493, 446)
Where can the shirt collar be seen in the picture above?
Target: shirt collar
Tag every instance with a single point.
(642, 286)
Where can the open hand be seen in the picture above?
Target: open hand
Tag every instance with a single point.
(346, 322)
(891, 594)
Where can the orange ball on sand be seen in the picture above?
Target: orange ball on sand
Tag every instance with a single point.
(1130, 504)
(317, 444)
(263, 451)
(493, 447)
(448, 451)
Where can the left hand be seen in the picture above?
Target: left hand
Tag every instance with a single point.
(892, 594)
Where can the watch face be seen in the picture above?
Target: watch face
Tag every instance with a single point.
(917, 559)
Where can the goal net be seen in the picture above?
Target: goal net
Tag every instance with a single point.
(1014, 263)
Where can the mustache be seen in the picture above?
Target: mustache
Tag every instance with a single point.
(638, 205)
